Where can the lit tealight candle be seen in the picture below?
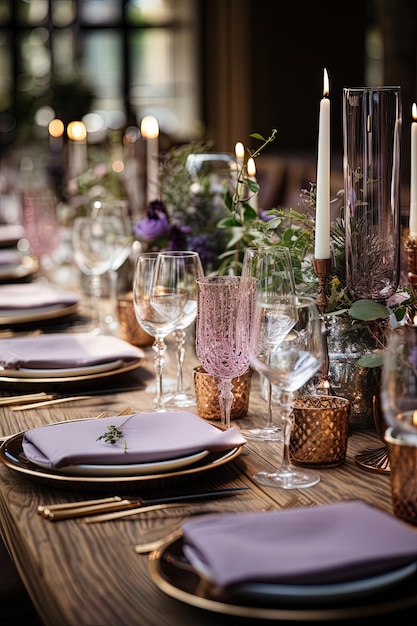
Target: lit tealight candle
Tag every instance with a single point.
(251, 169)
(322, 239)
(150, 130)
(413, 179)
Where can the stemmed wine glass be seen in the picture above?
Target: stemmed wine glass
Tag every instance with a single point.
(94, 242)
(224, 313)
(272, 265)
(288, 363)
(118, 210)
(164, 294)
(180, 397)
(399, 382)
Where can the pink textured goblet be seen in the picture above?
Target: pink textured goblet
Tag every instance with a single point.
(224, 312)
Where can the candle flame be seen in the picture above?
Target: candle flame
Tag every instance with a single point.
(77, 131)
(415, 418)
(56, 128)
(149, 127)
(251, 167)
(414, 111)
(239, 150)
(325, 83)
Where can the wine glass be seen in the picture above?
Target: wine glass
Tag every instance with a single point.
(274, 263)
(191, 260)
(399, 381)
(94, 242)
(164, 294)
(224, 313)
(288, 363)
(118, 210)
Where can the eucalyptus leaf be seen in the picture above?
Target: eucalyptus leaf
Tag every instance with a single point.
(371, 360)
(368, 310)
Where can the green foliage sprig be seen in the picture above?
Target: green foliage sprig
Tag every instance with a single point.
(113, 435)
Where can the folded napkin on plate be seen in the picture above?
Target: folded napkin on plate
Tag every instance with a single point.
(33, 295)
(320, 545)
(65, 350)
(149, 437)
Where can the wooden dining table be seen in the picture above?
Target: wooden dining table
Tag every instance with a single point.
(80, 574)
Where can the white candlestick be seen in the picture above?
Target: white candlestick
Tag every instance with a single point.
(251, 169)
(78, 158)
(150, 130)
(413, 180)
(322, 239)
(240, 161)
(240, 153)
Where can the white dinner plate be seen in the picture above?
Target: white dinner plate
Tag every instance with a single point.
(268, 592)
(129, 469)
(25, 372)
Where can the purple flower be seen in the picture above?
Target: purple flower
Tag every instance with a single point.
(155, 225)
(263, 215)
(205, 246)
(178, 237)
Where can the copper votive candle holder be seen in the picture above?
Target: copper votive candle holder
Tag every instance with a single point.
(207, 394)
(130, 329)
(402, 452)
(320, 431)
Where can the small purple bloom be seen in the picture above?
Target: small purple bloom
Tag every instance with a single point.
(178, 237)
(155, 225)
(263, 215)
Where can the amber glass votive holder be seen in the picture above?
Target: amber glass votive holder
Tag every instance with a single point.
(130, 329)
(402, 451)
(207, 394)
(320, 431)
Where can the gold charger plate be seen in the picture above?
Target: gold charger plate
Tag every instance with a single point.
(38, 314)
(173, 575)
(11, 455)
(88, 376)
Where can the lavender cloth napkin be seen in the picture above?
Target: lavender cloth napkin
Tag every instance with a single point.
(10, 233)
(149, 437)
(65, 350)
(9, 258)
(320, 545)
(33, 295)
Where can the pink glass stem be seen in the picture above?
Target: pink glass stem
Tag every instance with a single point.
(226, 398)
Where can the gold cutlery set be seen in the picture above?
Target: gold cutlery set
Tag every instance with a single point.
(115, 507)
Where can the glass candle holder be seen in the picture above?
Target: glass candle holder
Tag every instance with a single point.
(372, 120)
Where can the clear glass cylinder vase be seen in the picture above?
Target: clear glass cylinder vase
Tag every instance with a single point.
(372, 120)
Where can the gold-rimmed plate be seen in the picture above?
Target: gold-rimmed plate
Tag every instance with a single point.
(82, 374)
(12, 455)
(172, 574)
(37, 314)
